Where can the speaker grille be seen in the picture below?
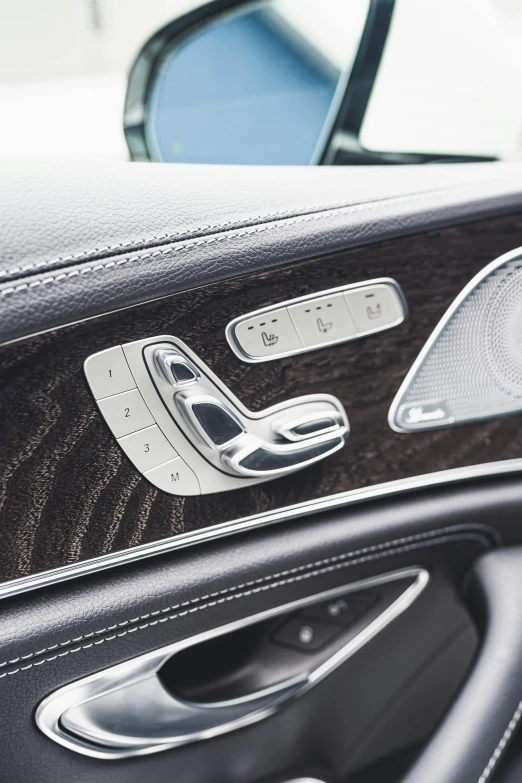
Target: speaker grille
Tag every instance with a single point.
(471, 367)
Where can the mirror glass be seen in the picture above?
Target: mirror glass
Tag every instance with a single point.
(258, 86)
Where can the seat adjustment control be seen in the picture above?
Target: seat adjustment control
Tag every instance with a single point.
(185, 431)
(176, 368)
(273, 460)
(210, 419)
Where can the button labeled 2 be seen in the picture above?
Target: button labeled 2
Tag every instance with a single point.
(125, 413)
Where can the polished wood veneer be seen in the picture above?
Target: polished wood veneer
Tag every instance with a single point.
(68, 493)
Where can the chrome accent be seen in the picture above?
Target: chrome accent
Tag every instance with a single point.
(285, 427)
(399, 407)
(171, 411)
(240, 353)
(203, 721)
(94, 565)
(247, 445)
(164, 358)
(185, 404)
(305, 780)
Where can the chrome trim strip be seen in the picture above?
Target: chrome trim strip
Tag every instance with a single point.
(230, 331)
(306, 780)
(388, 489)
(53, 707)
(393, 414)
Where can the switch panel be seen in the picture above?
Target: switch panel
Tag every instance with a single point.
(185, 431)
(317, 320)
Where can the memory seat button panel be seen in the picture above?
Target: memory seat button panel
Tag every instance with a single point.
(317, 320)
(129, 418)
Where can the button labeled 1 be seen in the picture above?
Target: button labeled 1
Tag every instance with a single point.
(374, 307)
(108, 373)
(268, 335)
(323, 320)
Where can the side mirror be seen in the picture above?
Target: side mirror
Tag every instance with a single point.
(321, 82)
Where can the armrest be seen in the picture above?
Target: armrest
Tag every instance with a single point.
(471, 740)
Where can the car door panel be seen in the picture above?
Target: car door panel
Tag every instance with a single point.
(99, 567)
(101, 268)
(69, 631)
(71, 494)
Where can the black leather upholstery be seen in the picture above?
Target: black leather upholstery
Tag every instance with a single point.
(470, 743)
(80, 241)
(53, 636)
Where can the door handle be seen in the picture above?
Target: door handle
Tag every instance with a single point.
(144, 715)
(137, 707)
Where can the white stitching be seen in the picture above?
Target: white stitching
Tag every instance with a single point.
(86, 254)
(120, 246)
(317, 563)
(216, 238)
(502, 744)
(282, 582)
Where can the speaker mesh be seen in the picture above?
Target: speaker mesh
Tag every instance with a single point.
(471, 367)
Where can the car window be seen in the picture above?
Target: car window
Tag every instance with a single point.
(273, 82)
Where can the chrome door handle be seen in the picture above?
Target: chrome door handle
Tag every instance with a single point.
(145, 715)
(127, 710)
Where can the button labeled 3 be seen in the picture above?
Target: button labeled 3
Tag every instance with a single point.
(147, 448)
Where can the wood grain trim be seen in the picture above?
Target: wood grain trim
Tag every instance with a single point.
(67, 493)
